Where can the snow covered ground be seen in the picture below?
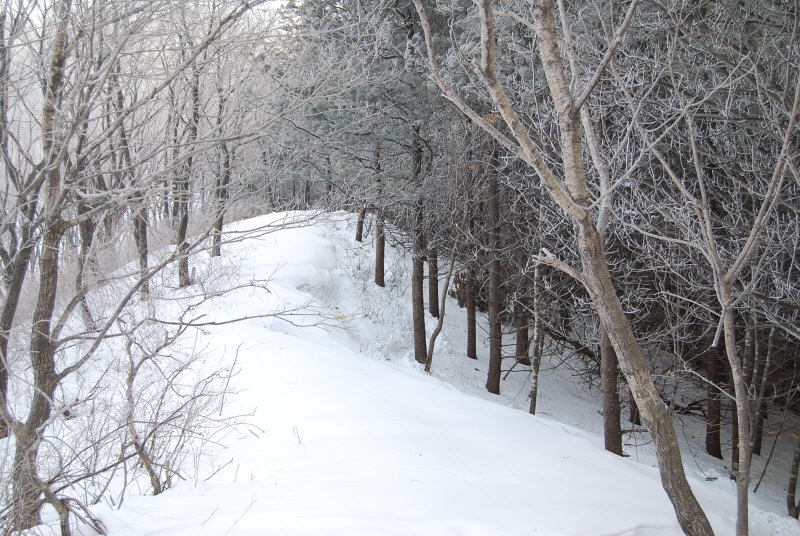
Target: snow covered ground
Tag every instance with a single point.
(346, 435)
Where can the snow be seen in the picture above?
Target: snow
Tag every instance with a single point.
(341, 433)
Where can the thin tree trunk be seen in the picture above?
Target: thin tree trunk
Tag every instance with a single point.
(18, 270)
(380, 237)
(418, 266)
(433, 282)
(792, 505)
(440, 323)
(713, 411)
(360, 225)
(472, 333)
(523, 339)
(734, 439)
(634, 416)
(761, 400)
(538, 339)
(140, 239)
(495, 328)
(609, 374)
(380, 248)
(25, 495)
(222, 200)
(182, 186)
(538, 348)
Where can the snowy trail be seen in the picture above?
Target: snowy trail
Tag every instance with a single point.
(344, 441)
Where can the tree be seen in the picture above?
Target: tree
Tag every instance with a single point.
(70, 184)
(572, 195)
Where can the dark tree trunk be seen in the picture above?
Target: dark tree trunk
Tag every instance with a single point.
(792, 505)
(634, 416)
(86, 231)
(380, 237)
(183, 225)
(734, 440)
(182, 186)
(222, 200)
(140, 239)
(360, 225)
(380, 248)
(523, 339)
(472, 333)
(418, 267)
(418, 301)
(15, 277)
(433, 282)
(26, 491)
(609, 377)
(758, 428)
(328, 176)
(495, 328)
(714, 407)
(25, 504)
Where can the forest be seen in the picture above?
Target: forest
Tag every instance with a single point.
(618, 179)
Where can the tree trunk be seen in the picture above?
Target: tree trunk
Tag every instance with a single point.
(433, 282)
(360, 225)
(418, 300)
(380, 248)
(495, 328)
(609, 377)
(523, 339)
(380, 238)
(140, 239)
(86, 231)
(734, 439)
(182, 187)
(713, 412)
(25, 507)
(538, 347)
(18, 270)
(222, 201)
(472, 334)
(538, 338)
(418, 263)
(792, 506)
(26, 482)
(634, 417)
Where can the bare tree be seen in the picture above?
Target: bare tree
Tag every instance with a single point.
(572, 194)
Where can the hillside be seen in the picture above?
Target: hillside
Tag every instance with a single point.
(341, 433)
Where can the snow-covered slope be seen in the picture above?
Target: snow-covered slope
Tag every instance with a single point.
(347, 436)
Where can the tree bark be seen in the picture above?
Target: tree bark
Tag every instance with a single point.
(495, 328)
(142, 250)
(222, 200)
(433, 282)
(182, 187)
(609, 377)
(523, 339)
(360, 225)
(792, 506)
(418, 251)
(472, 333)
(380, 251)
(380, 237)
(27, 486)
(714, 407)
